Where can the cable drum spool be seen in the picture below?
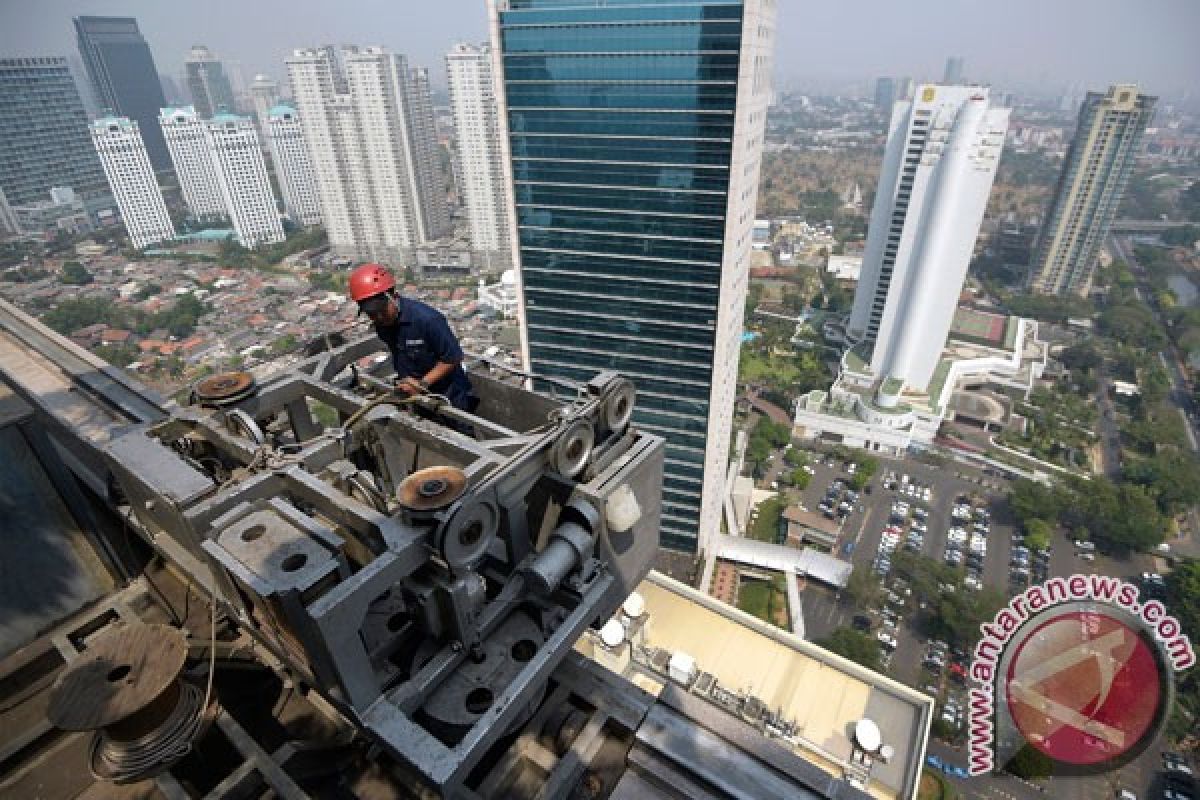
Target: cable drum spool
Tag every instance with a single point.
(224, 389)
(432, 488)
(126, 686)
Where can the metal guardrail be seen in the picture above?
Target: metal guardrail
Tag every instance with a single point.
(118, 392)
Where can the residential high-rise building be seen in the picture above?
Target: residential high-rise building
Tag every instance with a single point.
(431, 181)
(938, 166)
(885, 95)
(478, 156)
(184, 132)
(207, 82)
(131, 177)
(1090, 187)
(372, 151)
(44, 140)
(124, 79)
(634, 134)
(264, 93)
(953, 74)
(293, 167)
(242, 174)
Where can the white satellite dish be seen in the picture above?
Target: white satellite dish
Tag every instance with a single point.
(612, 634)
(867, 736)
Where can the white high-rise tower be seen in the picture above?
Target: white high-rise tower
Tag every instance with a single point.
(372, 151)
(184, 131)
(242, 174)
(478, 154)
(942, 152)
(123, 155)
(293, 167)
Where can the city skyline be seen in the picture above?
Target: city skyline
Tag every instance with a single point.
(1155, 51)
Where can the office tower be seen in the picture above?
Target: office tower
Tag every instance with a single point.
(264, 95)
(904, 88)
(953, 74)
(938, 167)
(131, 177)
(293, 167)
(242, 174)
(184, 132)
(124, 79)
(207, 82)
(376, 172)
(44, 140)
(8, 219)
(478, 157)
(885, 94)
(1090, 187)
(635, 135)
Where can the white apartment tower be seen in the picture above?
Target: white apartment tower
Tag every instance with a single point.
(184, 131)
(478, 154)
(942, 151)
(373, 151)
(131, 178)
(242, 174)
(293, 167)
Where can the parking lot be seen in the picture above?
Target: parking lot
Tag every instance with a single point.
(912, 659)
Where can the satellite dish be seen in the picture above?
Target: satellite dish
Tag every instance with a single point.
(612, 634)
(867, 736)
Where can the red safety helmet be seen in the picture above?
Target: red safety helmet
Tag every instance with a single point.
(370, 280)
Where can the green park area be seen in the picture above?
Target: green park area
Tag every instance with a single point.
(766, 600)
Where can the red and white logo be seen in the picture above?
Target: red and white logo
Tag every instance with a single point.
(1085, 688)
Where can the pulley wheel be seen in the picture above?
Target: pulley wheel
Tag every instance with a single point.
(431, 488)
(242, 424)
(618, 405)
(465, 537)
(224, 388)
(573, 448)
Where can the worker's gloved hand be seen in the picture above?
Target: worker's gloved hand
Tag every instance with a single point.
(409, 387)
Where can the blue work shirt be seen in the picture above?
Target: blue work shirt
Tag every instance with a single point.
(419, 339)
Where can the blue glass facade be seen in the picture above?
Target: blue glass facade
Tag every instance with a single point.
(44, 139)
(620, 121)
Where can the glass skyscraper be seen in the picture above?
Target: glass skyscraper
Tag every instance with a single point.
(634, 132)
(44, 139)
(124, 79)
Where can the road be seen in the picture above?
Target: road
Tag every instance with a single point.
(1181, 395)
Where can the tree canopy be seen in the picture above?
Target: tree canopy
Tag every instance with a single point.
(858, 647)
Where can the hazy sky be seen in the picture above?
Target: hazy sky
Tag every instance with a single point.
(1016, 43)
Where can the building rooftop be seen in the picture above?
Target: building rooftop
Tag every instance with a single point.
(823, 694)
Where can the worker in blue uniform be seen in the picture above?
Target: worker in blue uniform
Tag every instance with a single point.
(425, 352)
